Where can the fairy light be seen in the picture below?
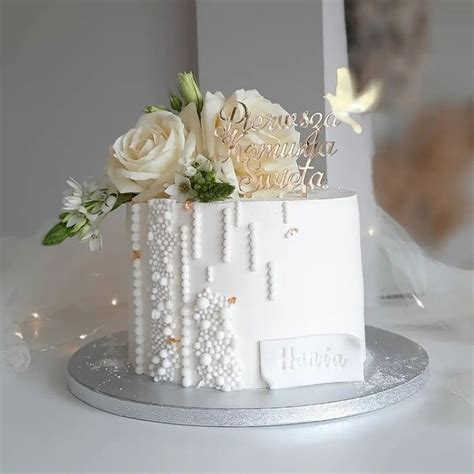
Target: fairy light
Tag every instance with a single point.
(114, 301)
(371, 232)
(35, 315)
(83, 336)
(19, 334)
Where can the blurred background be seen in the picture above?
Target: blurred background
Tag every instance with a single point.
(76, 73)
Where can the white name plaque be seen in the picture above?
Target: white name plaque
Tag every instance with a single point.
(311, 360)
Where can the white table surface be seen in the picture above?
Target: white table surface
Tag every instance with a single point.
(45, 429)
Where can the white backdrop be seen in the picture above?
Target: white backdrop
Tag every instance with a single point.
(75, 75)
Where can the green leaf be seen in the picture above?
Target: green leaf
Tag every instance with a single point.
(175, 102)
(56, 234)
(122, 199)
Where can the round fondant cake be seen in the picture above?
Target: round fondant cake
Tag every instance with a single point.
(248, 294)
(246, 270)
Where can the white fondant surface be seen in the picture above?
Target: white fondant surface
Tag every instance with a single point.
(307, 284)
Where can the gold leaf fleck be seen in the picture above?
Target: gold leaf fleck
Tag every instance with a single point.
(188, 204)
(232, 300)
(172, 340)
(136, 254)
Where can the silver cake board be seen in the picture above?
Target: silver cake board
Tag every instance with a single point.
(99, 374)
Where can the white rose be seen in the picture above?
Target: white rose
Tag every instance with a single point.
(145, 159)
(211, 146)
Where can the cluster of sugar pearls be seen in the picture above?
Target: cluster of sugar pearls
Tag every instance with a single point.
(252, 247)
(186, 352)
(237, 213)
(210, 273)
(162, 243)
(226, 237)
(137, 291)
(185, 279)
(271, 281)
(214, 348)
(284, 210)
(196, 239)
(186, 373)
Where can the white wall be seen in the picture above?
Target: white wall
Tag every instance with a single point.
(274, 46)
(449, 65)
(76, 74)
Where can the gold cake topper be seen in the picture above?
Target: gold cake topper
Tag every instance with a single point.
(271, 165)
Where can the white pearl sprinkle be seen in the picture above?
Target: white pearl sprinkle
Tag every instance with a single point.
(284, 208)
(205, 359)
(203, 303)
(271, 281)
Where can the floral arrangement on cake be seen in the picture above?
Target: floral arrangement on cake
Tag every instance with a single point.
(171, 152)
(211, 148)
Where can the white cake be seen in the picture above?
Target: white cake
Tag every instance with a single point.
(248, 294)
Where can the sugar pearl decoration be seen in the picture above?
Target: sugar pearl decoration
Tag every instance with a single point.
(185, 279)
(252, 247)
(205, 359)
(226, 224)
(137, 284)
(214, 347)
(196, 231)
(210, 273)
(284, 210)
(162, 242)
(237, 214)
(271, 290)
(202, 302)
(186, 380)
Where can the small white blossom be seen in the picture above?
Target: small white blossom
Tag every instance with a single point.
(202, 163)
(95, 239)
(85, 206)
(181, 189)
(72, 203)
(189, 171)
